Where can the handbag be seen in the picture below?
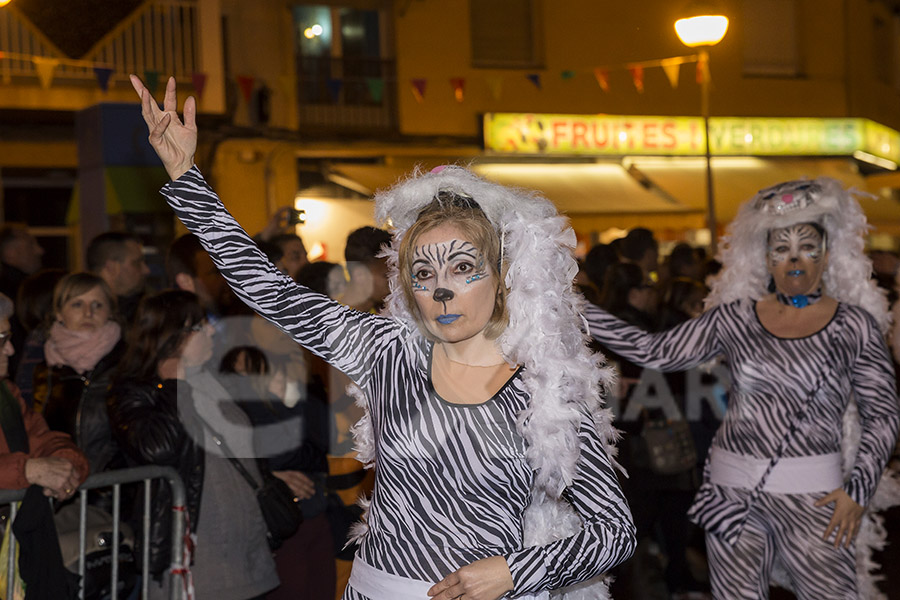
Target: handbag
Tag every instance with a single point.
(98, 556)
(279, 506)
(666, 447)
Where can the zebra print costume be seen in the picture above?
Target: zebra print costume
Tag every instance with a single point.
(771, 379)
(453, 481)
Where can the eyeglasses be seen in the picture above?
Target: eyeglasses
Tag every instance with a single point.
(198, 326)
(6, 336)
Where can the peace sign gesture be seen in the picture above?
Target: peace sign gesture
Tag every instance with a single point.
(175, 142)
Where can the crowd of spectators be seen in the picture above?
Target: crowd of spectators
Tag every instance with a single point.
(110, 374)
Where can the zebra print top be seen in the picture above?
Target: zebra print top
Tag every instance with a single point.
(452, 481)
(772, 377)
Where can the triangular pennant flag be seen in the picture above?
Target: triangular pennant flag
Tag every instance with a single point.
(567, 75)
(102, 74)
(459, 88)
(703, 69)
(495, 85)
(418, 89)
(534, 78)
(376, 88)
(335, 85)
(151, 78)
(45, 68)
(199, 81)
(602, 76)
(637, 76)
(245, 82)
(672, 68)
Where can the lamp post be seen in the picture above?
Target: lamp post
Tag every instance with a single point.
(703, 26)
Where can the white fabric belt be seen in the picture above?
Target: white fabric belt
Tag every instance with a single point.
(379, 585)
(800, 475)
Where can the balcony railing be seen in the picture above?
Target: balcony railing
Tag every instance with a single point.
(347, 94)
(160, 36)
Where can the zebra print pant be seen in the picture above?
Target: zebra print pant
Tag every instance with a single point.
(789, 529)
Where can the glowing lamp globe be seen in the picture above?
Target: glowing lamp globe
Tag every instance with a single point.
(701, 30)
(4, 3)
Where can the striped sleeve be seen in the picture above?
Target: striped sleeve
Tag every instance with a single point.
(879, 413)
(347, 339)
(607, 536)
(678, 349)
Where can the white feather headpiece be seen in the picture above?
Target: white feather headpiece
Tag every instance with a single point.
(545, 331)
(848, 276)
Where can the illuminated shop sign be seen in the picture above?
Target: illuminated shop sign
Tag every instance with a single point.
(599, 135)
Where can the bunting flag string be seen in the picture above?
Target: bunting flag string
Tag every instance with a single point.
(671, 67)
(46, 68)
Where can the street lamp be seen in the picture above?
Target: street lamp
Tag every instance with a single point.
(703, 26)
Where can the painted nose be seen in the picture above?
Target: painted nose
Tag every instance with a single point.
(795, 259)
(442, 295)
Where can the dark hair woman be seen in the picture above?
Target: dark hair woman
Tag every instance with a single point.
(161, 407)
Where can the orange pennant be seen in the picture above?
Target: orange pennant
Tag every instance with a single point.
(45, 68)
(459, 87)
(672, 68)
(418, 89)
(637, 76)
(602, 76)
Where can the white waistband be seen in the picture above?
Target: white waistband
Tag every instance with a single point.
(800, 475)
(379, 585)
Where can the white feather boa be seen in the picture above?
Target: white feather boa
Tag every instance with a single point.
(847, 278)
(545, 334)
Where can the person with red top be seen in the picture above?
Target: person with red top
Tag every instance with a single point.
(52, 461)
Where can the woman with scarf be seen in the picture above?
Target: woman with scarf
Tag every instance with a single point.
(83, 347)
(812, 416)
(484, 415)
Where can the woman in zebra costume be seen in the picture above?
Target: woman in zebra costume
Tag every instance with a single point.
(801, 324)
(484, 417)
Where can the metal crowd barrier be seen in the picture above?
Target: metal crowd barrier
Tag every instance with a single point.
(115, 479)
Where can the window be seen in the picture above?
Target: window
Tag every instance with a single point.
(505, 34)
(771, 40)
(339, 54)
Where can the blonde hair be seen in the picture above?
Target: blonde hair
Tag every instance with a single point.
(76, 284)
(450, 209)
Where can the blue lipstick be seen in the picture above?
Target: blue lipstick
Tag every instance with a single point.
(447, 319)
(795, 273)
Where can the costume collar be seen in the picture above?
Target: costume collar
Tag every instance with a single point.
(800, 300)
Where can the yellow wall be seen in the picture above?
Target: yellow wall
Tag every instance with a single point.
(254, 177)
(583, 34)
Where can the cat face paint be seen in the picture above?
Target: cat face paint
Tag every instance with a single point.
(796, 258)
(454, 290)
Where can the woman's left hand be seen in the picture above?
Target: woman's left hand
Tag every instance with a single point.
(485, 579)
(845, 519)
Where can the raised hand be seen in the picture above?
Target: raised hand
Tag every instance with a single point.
(175, 141)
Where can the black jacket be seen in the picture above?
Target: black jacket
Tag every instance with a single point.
(76, 404)
(149, 427)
